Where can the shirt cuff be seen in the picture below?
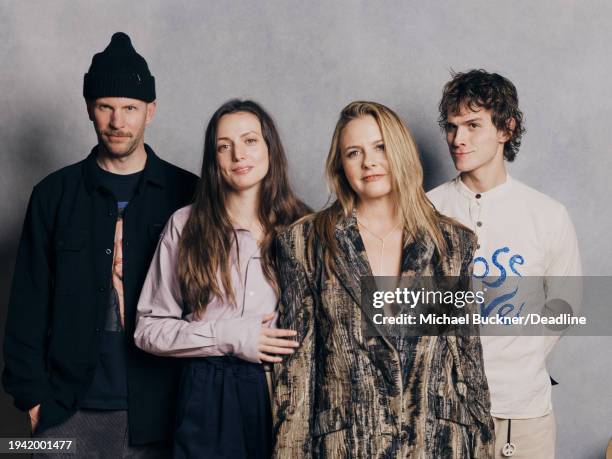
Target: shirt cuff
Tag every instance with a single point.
(240, 337)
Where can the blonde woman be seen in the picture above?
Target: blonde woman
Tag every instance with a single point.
(343, 394)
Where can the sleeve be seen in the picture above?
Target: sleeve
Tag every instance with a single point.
(295, 376)
(27, 323)
(472, 361)
(563, 276)
(161, 328)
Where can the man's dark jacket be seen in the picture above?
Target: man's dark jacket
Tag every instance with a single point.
(60, 293)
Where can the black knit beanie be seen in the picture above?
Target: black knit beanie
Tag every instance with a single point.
(119, 71)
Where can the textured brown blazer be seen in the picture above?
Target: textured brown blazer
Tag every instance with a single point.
(341, 394)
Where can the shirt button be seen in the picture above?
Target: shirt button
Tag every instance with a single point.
(101, 289)
(108, 251)
(478, 196)
(478, 223)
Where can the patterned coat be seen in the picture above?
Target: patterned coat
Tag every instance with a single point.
(341, 394)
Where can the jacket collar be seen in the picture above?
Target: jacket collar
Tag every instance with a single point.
(152, 172)
(352, 265)
(351, 260)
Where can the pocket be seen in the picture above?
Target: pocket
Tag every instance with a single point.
(453, 410)
(333, 420)
(52, 418)
(70, 242)
(68, 246)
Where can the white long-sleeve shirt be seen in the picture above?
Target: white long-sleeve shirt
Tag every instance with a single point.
(525, 234)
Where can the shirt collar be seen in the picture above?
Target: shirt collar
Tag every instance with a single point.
(152, 172)
(247, 244)
(499, 190)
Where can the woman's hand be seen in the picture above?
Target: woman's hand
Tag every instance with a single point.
(274, 341)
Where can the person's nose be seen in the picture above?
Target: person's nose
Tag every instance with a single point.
(368, 161)
(239, 152)
(459, 136)
(117, 120)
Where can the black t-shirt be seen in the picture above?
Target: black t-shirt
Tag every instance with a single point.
(108, 390)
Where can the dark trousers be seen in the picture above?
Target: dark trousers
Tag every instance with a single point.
(223, 410)
(99, 434)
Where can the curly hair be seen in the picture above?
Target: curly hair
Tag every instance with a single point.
(478, 89)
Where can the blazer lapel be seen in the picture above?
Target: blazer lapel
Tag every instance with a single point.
(352, 265)
(350, 261)
(416, 257)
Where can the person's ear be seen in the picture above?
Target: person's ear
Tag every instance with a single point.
(507, 133)
(151, 108)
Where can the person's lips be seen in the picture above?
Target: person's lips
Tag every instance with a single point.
(373, 177)
(459, 153)
(117, 136)
(241, 170)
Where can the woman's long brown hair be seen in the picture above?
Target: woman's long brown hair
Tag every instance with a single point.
(208, 235)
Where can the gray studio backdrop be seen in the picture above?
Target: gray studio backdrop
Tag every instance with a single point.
(304, 61)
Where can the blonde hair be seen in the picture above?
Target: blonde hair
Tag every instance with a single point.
(420, 219)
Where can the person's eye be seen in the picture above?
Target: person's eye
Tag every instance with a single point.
(131, 108)
(352, 153)
(251, 141)
(380, 147)
(449, 127)
(474, 125)
(223, 147)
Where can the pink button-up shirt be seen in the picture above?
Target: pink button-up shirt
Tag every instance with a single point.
(164, 326)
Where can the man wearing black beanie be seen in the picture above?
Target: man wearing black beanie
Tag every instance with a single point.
(88, 237)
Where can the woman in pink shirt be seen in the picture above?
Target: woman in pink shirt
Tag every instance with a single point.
(211, 292)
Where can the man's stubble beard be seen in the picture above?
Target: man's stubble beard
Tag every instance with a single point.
(131, 147)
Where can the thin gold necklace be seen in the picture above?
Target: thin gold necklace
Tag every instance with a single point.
(381, 239)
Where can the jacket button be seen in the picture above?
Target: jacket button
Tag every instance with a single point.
(108, 251)
(478, 223)
(101, 289)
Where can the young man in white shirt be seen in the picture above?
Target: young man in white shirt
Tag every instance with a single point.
(522, 234)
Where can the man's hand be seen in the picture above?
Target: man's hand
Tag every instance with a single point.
(34, 414)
